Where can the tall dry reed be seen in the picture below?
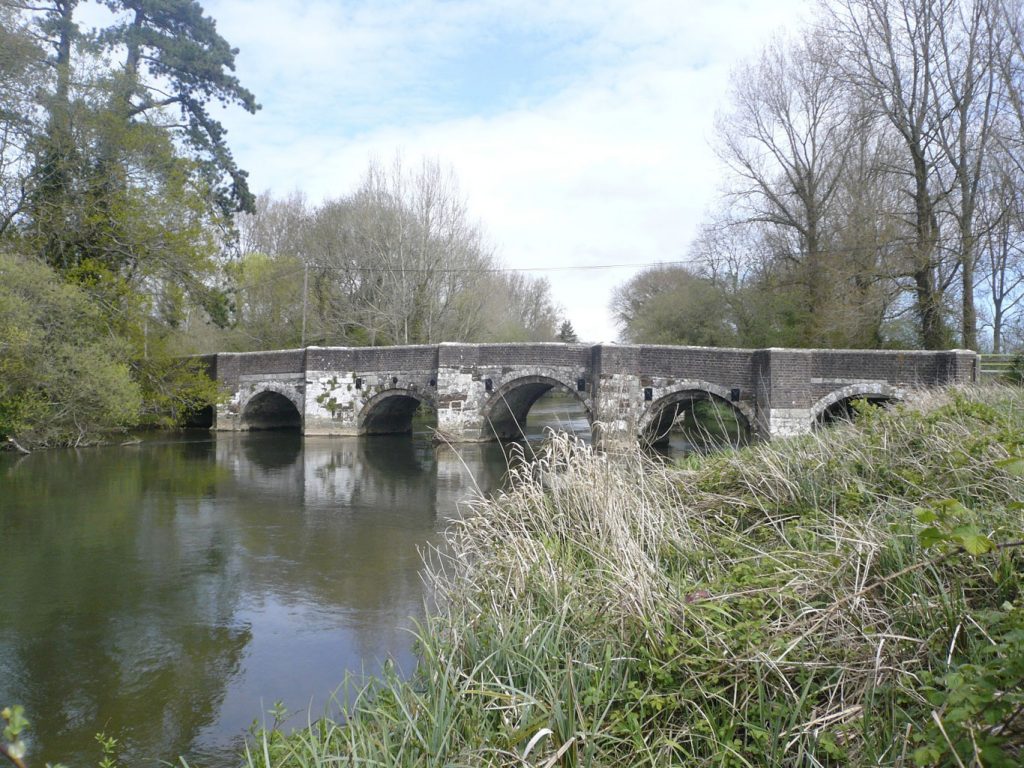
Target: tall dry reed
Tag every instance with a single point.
(808, 602)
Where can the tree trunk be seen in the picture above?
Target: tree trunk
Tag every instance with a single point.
(66, 25)
(929, 298)
(997, 326)
(53, 166)
(929, 311)
(969, 313)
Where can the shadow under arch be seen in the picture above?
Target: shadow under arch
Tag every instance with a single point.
(390, 412)
(838, 406)
(270, 409)
(703, 409)
(200, 418)
(504, 414)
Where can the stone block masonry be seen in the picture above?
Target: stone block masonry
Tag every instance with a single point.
(484, 391)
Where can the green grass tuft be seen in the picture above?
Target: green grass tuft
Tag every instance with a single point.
(852, 597)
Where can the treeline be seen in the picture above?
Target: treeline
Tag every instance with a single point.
(116, 189)
(397, 261)
(129, 237)
(875, 193)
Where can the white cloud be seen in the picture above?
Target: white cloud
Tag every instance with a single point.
(608, 163)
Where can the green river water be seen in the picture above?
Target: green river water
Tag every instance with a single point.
(167, 593)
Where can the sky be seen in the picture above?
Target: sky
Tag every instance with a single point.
(581, 131)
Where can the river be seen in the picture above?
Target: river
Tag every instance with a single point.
(167, 593)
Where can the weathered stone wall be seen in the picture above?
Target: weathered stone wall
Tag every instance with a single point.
(247, 374)
(638, 381)
(475, 383)
(796, 385)
(484, 390)
(344, 385)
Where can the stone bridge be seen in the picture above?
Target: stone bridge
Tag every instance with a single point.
(484, 391)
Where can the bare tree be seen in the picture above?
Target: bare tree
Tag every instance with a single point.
(414, 235)
(398, 261)
(869, 179)
(517, 307)
(275, 226)
(892, 56)
(1001, 213)
(870, 237)
(1008, 15)
(968, 95)
(787, 138)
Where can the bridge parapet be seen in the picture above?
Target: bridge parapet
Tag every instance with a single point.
(795, 385)
(484, 391)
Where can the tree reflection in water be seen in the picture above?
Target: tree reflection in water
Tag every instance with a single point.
(167, 593)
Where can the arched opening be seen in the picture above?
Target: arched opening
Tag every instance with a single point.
(200, 418)
(844, 404)
(560, 411)
(695, 421)
(271, 410)
(397, 412)
(509, 414)
(848, 408)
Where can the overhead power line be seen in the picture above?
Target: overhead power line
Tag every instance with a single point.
(836, 251)
(476, 270)
(489, 270)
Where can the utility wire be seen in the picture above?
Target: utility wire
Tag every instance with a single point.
(476, 270)
(836, 251)
(495, 270)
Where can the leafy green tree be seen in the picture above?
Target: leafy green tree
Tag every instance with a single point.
(64, 378)
(267, 301)
(672, 305)
(130, 170)
(126, 185)
(174, 57)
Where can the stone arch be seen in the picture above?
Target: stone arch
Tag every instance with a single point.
(201, 418)
(658, 417)
(390, 412)
(835, 404)
(504, 413)
(272, 407)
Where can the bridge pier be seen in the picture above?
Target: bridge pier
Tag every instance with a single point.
(483, 392)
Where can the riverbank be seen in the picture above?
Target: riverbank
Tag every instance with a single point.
(852, 597)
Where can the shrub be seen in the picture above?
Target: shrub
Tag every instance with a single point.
(64, 378)
(1015, 375)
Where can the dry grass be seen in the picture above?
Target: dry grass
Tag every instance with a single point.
(774, 605)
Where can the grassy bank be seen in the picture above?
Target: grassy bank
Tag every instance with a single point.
(848, 598)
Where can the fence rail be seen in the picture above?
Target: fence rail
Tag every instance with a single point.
(996, 366)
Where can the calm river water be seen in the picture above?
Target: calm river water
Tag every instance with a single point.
(168, 593)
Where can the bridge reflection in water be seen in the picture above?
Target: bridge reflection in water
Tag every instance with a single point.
(168, 593)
